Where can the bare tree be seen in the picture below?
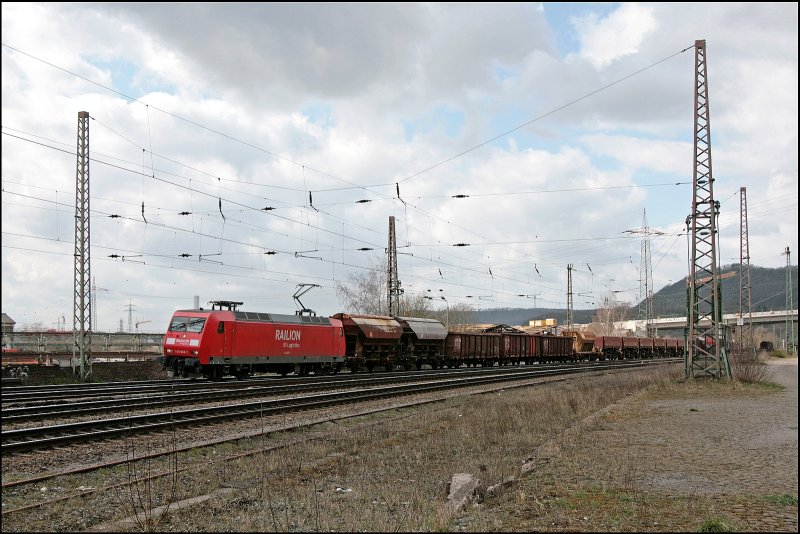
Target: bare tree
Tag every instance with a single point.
(612, 311)
(415, 305)
(459, 313)
(365, 291)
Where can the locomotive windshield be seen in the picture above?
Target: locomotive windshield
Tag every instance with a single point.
(187, 324)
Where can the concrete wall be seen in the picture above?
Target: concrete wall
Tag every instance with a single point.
(101, 372)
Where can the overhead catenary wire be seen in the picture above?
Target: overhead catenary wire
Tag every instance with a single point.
(153, 176)
(328, 174)
(544, 115)
(327, 213)
(487, 242)
(440, 263)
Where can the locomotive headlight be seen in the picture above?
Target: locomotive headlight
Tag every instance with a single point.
(195, 352)
(169, 351)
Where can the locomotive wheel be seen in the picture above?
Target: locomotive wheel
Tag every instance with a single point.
(242, 374)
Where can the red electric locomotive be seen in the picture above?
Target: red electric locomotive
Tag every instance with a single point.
(216, 342)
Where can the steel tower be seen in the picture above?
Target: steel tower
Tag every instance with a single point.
(646, 280)
(393, 290)
(745, 322)
(82, 297)
(789, 327)
(705, 345)
(569, 297)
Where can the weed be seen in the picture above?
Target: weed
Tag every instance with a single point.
(715, 525)
(785, 499)
(388, 472)
(747, 368)
(139, 496)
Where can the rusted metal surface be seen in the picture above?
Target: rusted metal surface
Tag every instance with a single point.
(630, 343)
(372, 327)
(425, 329)
(464, 346)
(553, 346)
(605, 343)
(516, 346)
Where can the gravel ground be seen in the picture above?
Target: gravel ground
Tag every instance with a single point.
(680, 457)
(674, 456)
(395, 464)
(35, 463)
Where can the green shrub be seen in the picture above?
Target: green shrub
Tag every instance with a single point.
(715, 525)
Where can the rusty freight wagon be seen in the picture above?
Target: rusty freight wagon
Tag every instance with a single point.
(472, 349)
(547, 348)
(371, 340)
(422, 342)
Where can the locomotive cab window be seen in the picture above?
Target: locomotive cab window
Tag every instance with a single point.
(221, 327)
(187, 324)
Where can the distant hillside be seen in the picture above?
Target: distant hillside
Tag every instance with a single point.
(768, 293)
(521, 316)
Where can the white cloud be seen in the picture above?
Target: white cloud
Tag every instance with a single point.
(605, 40)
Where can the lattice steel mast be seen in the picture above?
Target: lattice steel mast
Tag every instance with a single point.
(393, 290)
(569, 297)
(745, 322)
(705, 351)
(94, 305)
(82, 298)
(789, 326)
(646, 280)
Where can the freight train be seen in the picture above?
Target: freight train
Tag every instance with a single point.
(225, 341)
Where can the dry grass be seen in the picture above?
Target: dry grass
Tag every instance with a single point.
(384, 472)
(393, 476)
(748, 367)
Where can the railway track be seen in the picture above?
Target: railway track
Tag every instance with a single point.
(39, 394)
(26, 439)
(147, 399)
(19, 394)
(19, 406)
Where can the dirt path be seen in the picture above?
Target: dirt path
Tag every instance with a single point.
(670, 458)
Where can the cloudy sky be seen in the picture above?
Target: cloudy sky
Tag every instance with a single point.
(537, 134)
